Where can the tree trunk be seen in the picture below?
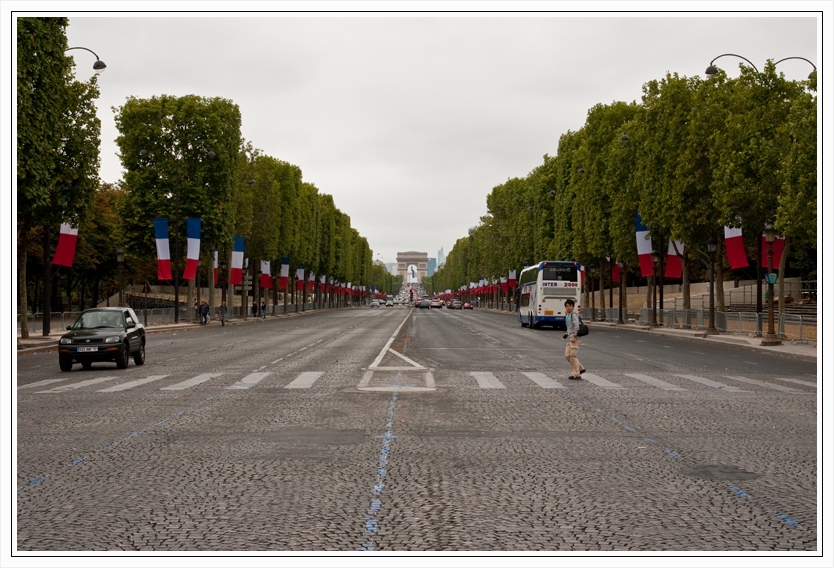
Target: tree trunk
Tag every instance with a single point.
(685, 282)
(211, 289)
(719, 278)
(23, 304)
(47, 282)
(649, 284)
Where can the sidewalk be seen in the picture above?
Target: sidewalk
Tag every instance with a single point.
(803, 350)
(39, 343)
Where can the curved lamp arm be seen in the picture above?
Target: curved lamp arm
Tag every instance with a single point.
(802, 58)
(99, 65)
(712, 70)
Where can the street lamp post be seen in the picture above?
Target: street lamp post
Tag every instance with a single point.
(655, 262)
(120, 258)
(771, 338)
(621, 264)
(711, 247)
(98, 66)
(223, 279)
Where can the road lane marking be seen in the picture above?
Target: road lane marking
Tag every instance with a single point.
(798, 382)
(654, 382)
(429, 380)
(406, 359)
(132, 384)
(600, 382)
(487, 380)
(74, 386)
(40, 383)
(248, 381)
(764, 384)
(366, 380)
(304, 380)
(192, 382)
(544, 381)
(710, 383)
(382, 353)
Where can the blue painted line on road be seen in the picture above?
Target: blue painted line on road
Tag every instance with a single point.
(376, 504)
(598, 409)
(371, 526)
(629, 428)
(36, 481)
(381, 473)
(383, 461)
(76, 462)
(789, 520)
(137, 433)
(195, 405)
(179, 413)
(367, 548)
(209, 398)
(110, 446)
(649, 440)
(740, 492)
(613, 419)
(672, 453)
(378, 488)
(160, 423)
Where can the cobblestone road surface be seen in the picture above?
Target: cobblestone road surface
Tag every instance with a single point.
(417, 430)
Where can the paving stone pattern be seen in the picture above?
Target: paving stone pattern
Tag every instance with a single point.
(332, 467)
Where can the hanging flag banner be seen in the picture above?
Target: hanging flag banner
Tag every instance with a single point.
(285, 273)
(644, 246)
(505, 285)
(163, 255)
(266, 275)
(778, 248)
(322, 285)
(236, 273)
(512, 279)
(674, 266)
(192, 230)
(734, 243)
(581, 276)
(299, 279)
(67, 240)
(615, 272)
(215, 267)
(311, 282)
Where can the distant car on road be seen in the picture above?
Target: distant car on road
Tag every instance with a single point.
(456, 305)
(103, 334)
(435, 304)
(374, 303)
(389, 303)
(468, 306)
(424, 304)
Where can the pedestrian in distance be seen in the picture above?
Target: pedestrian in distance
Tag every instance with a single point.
(263, 309)
(223, 310)
(204, 312)
(572, 347)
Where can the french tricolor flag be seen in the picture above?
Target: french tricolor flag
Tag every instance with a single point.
(615, 270)
(192, 231)
(65, 251)
(163, 254)
(644, 246)
(512, 279)
(322, 285)
(236, 272)
(504, 284)
(734, 243)
(299, 279)
(285, 272)
(674, 266)
(266, 275)
(581, 276)
(311, 282)
(215, 267)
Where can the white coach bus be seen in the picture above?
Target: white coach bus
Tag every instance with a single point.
(543, 289)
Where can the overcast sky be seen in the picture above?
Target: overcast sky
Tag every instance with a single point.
(409, 122)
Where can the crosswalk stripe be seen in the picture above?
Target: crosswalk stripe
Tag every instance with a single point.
(654, 382)
(600, 382)
(248, 381)
(132, 384)
(798, 382)
(763, 384)
(429, 380)
(544, 381)
(74, 386)
(710, 383)
(40, 383)
(304, 380)
(192, 382)
(487, 380)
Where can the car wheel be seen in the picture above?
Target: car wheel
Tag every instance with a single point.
(139, 356)
(87, 364)
(123, 358)
(65, 364)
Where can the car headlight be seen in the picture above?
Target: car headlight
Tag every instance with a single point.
(66, 340)
(114, 339)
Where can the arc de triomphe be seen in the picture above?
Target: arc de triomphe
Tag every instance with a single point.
(412, 266)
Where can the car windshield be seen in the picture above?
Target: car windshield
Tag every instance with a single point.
(98, 320)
